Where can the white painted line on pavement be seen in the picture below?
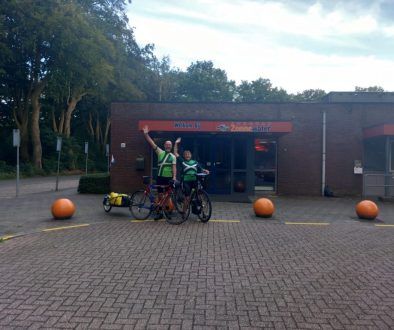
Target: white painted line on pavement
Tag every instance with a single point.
(66, 227)
(308, 223)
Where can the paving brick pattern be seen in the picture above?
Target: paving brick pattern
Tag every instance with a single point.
(253, 274)
(219, 275)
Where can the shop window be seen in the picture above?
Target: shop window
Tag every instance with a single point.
(239, 185)
(375, 154)
(265, 164)
(240, 154)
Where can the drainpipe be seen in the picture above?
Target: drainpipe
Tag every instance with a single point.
(323, 170)
(387, 168)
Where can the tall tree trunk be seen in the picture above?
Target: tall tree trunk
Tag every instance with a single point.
(98, 130)
(106, 132)
(54, 123)
(61, 122)
(90, 125)
(58, 120)
(35, 124)
(71, 105)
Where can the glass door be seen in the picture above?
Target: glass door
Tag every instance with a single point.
(214, 154)
(265, 165)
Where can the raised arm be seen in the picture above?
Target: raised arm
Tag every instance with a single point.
(200, 169)
(178, 140)
(148, 138)
(174, 171)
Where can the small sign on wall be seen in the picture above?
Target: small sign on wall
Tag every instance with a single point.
(358, 169)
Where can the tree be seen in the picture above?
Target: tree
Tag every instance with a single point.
(309, 95)
(204, 83)
(160, 82)
(59, 51)
(260, 90)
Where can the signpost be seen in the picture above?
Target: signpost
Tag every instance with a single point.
(58, 149)
(16, 141)
(86, 152)
(107, 154)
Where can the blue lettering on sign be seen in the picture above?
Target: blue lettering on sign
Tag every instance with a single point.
(182, 124)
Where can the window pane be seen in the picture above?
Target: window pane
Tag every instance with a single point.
(240, 147)
(375, 154)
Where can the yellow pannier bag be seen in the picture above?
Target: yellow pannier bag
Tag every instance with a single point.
(117, 199)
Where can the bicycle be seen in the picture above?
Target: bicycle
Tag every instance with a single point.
(199, 202)
(144, 202)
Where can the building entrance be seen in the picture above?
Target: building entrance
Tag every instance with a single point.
(239, 164)
(226, 158)
(214, 154)
(265, 159)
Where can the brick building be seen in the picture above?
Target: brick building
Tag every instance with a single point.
(282, 148)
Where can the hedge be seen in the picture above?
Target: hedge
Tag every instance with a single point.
(94, 184)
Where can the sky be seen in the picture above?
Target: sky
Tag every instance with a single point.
(296, 44)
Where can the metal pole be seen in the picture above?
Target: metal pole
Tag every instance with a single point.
(58, 149)
(17, 171)
(58, 168)
(323, 170)
(387, 168)
(107, 154)
(86, 152)
(16, 142)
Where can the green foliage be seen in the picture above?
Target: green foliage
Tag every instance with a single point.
(5, 168)
(309, 95)
(260, 90)
(94, 184)
(204, 83)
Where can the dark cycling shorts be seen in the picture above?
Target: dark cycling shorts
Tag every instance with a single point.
(163, 181)
(188, 186)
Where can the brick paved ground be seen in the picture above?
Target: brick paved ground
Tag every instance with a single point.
(252, 274)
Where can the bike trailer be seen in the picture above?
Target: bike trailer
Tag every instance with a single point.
(116, 199)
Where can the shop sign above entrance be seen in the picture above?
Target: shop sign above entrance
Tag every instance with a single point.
(217, 126)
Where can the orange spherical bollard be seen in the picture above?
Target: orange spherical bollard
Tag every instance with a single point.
(367, 209)
(62, 208)
(263, 207)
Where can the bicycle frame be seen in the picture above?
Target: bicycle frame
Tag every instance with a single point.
(200, 199)
(159, 203)
(144, 202)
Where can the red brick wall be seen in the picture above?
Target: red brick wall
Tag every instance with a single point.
(299, 152)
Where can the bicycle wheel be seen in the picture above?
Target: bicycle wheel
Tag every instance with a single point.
(205, 205)
(179, 199)
(172, 215)
(140, 205)
(187, 211)
(106, 205)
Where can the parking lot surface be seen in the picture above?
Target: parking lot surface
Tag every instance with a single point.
(313, 265)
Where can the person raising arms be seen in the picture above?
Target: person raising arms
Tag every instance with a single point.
(166, 163)
(190, 168)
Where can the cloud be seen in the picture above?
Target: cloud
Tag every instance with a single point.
(298, 45)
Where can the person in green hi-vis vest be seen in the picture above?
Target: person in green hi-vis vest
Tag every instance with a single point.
(190, 168)
(166, 164)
